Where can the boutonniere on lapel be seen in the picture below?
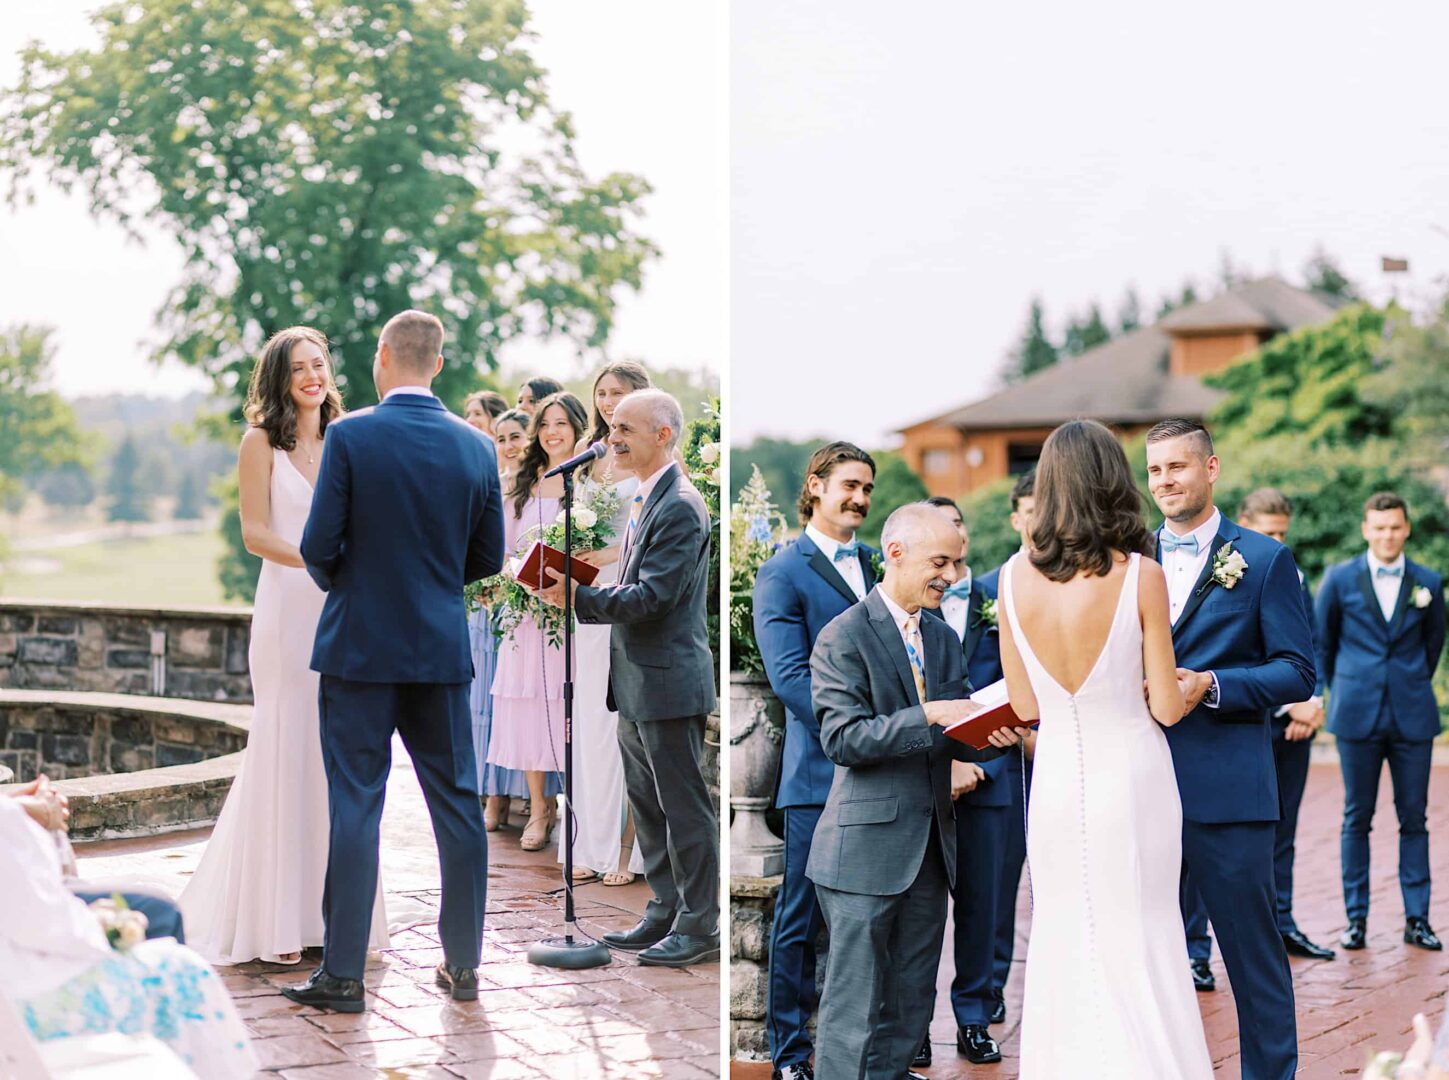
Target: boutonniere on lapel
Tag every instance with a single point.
(987, 615)
(1421, 596)
(1228, 568)
(877, 566)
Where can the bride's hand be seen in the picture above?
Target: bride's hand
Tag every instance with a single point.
(1004, 738)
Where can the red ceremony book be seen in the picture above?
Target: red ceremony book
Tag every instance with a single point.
(995, 715)
(541, 555)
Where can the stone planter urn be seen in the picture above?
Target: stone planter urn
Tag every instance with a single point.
(757, 734)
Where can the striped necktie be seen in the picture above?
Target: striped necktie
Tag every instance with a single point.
(634, 512)
(914, 652)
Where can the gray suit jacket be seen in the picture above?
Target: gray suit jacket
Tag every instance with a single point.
(660, 666)
(892, 787)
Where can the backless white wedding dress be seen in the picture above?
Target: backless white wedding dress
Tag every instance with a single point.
(1108, 991)
(257, 892)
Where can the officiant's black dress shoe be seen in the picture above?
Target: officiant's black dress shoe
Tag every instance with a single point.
(681, 950)
(976, 1045)
(1417, 932)
(1356, 936)
(643, 934)
(800, 1071)
(998, 1011)
(1298, 945)
(461, 982)
(1202, 976)
(325, 991)
(922, 1060)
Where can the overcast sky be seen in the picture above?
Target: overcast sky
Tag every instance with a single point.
(645, 82)
(905, 177)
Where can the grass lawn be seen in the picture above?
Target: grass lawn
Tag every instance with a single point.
(155, 571)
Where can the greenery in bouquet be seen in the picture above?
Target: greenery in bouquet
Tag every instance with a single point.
(704, 461)
(757, 529)
(595, 507)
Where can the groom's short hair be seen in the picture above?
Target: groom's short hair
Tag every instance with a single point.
(1176, 428)
(416, 340)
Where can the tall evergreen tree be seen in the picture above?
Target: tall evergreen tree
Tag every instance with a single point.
(128, 498)
(188, 498)
(1094, 330)
(1035, 351)
(1321, 273)
(1129, 313)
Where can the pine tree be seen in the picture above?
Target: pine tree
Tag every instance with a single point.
(1094, 330)
(128, 499)
(1129, 314)
(1035, 352)
(188, 498)
(1321, 273)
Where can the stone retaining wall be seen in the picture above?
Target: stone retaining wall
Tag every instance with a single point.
(196, 653)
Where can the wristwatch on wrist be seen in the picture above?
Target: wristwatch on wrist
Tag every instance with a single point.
(1210, 698)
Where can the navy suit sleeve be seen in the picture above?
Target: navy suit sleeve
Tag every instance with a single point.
(1308, 609)
(1329, 618)
(784, 640)
(324, 536)
(672, 554)
(1434, 631)
(1288, 672)
(485, 546)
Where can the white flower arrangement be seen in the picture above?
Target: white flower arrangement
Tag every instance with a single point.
(1229, 566)
(988, 615)
(124, 928)
(1421, 596)
(584, 518)
(708, 453)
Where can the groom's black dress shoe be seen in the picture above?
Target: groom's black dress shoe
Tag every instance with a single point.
(681, 950)
(644, 934)
(922, 1060)
(998, 1012)
(1356, 936)
(1417, 932)
(799, 1071)
(461, 982)
(328, 992)
(978, 1047)
(1298, 945)
(915, 1076)
(1202, 976)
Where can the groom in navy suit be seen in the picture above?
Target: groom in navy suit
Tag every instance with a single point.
(1244, 646)
(407, 511)
(798, 591)
(1380, 636)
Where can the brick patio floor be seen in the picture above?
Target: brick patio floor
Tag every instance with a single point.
(1345, 1006)
(622, 1020)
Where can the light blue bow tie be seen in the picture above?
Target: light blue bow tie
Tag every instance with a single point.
(1389, 571)
(1172, 543)
(847, 551)
(961, 589)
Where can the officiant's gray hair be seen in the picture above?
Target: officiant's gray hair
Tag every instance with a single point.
(663, 411)
(906, 524)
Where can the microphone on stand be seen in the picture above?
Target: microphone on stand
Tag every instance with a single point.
(593, 453)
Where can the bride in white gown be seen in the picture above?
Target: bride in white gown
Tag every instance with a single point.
(257, 893)
(1084, 626)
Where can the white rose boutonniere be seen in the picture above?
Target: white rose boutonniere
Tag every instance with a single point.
(987, 616)
(1421, 596)
(708, 453)
(1228, 568)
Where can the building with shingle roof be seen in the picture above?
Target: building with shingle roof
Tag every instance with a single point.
(1130, 383)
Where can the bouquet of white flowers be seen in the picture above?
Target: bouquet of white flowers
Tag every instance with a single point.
(123, 926)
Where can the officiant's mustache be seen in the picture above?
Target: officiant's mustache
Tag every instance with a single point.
(849, 507)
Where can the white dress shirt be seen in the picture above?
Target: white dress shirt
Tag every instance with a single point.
(420, 391)
(1183, 568)
(900, 615)
(956, 609)
(849, 569)
(1387, 588)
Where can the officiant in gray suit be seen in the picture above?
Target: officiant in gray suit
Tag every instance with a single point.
(662, 683)
(885, 681)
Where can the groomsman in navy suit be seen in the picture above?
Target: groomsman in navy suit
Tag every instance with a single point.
(1268, 511)
(1244, 646)
(1018, 770)
(982, 817)
(797, 592)
(1380, 635)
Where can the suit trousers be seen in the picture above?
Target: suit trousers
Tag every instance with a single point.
(880, 975)
(798, 921)
(1362, 761)
(981, 833)
(1013, 858)
(675, 820)
(357, 721)
(1232, 867)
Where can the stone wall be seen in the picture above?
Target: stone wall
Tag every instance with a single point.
(66, 735)
(195, 653)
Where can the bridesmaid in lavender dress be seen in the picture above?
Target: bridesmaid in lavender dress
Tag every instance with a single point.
(253, 897)
(527, 729)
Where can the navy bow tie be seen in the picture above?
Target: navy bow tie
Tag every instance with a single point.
(847, 551)
(1172, 543)
(1389, 571)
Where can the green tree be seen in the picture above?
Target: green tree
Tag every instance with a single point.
(38, 430)
(188, 498)
(1129, 313)
(1322, 274)
(988, 520)
(128, 498)
(332, 163)
(782, 465)
(1035, 351)
(895, 485)
(1169, 304)
(1087, 334)
(69, 485)
(237, 568)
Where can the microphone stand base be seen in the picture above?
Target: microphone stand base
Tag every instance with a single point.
(570, 953)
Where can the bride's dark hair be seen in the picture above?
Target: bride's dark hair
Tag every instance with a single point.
(1087, 503)
(269, 404)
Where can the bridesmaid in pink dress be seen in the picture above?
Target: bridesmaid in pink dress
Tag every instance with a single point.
(528, 729)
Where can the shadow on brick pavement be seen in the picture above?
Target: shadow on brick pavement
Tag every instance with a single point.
(1346, 1007)
(622, 1020)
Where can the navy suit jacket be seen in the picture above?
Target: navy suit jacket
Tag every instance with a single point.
(1370, 664)
(406, 512)
(797, 592)
(1257, 638)
(981, 652)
